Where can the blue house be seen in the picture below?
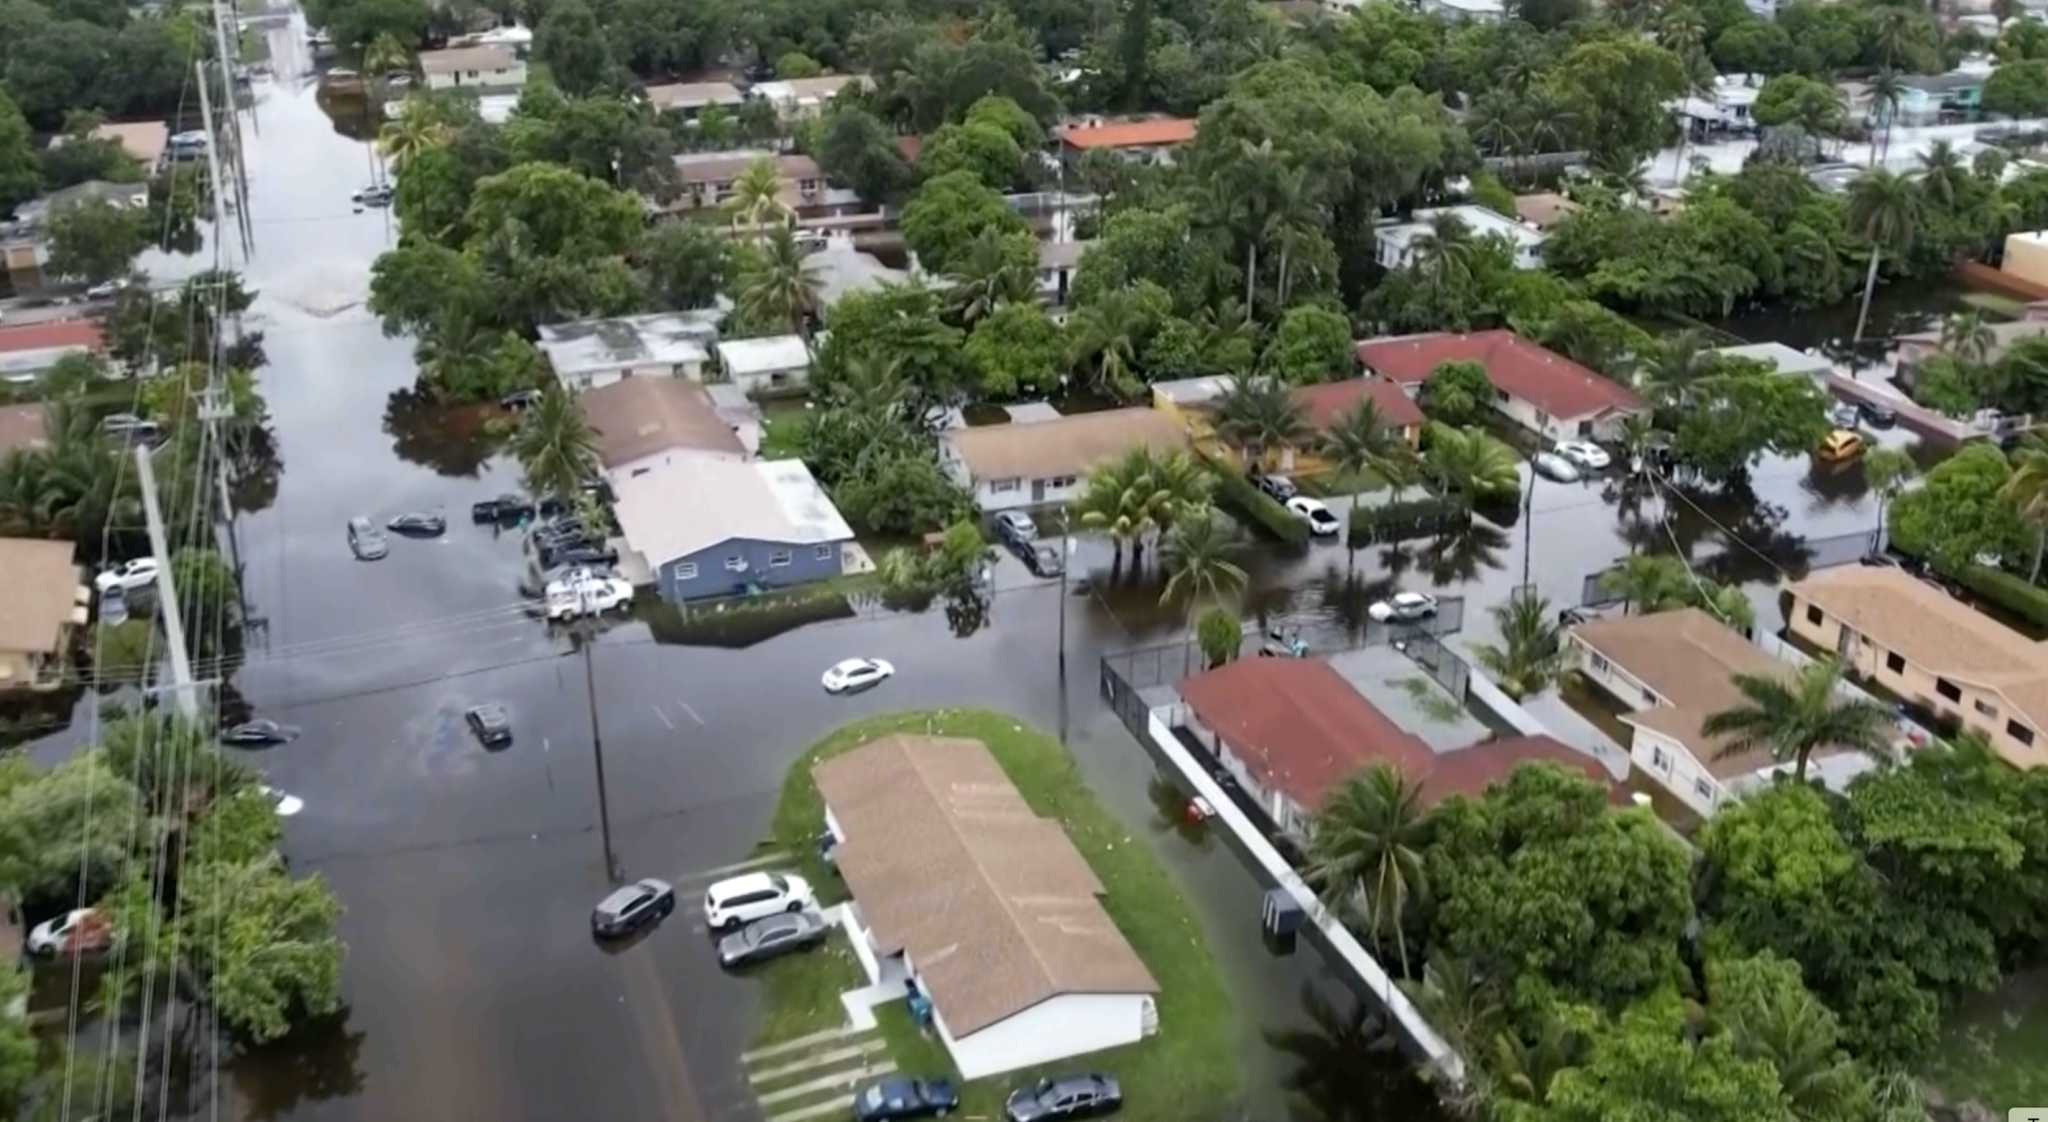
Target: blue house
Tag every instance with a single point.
(709, 527)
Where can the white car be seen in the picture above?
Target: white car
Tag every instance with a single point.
(1320, 521)
(1584, 453)
(128, 576)
(743, 899)
(1550, 465)
(81, 929)
(285, 804)
(570, 599)
(856, 674)
(1403, 607)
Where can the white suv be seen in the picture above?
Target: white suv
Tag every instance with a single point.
(730, 903)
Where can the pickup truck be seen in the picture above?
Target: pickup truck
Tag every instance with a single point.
(574, 599)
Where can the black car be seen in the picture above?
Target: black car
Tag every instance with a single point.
(519, 399)
(1039, 557)
(1877, 416)
(491, 724)
(632, 907)
(1069, 1096)
(901, 1096)
(1278, 486)
(578, 553)
(259, 732)
(504, 508)
(414, 524)
(771, 936)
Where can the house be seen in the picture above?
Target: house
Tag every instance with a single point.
(1032, 462)
(961, 887)
(1147, 140)
(691, 98)
(716, 527)
(1673, 670)
(1544, 209)
(1728, 106)
(1474, 11)
(1919, 644)
(708, 178)
(1916, 347)
(24, 250)
(805, 97)
(29, 349)
(120, 196)
(488, 66)
(1057, 262)
(597, 352)
(1193, 401)
(144, 141)
(1324, 404)
(1537, 388)
(1782, 359)
(1923, 98)
(643, 424)
(2026, 256)
(842, 269)
(770, 364)
(1395, 241)
(41, 601)
(23, 428)
(1289, 730)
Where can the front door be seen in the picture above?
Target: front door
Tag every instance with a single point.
(1038, 490)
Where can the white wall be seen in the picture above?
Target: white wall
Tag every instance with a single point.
(592, 379)
(1667, 761)
(1023, 493)
(766, 381)
(509, 77)
(1071, 1024)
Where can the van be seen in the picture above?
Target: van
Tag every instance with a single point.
(1839, 446)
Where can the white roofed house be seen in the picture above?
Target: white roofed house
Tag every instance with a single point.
(691, 98)
(805, 97)
(597, 352)
(770, 364)
(1396, 240)
(485, 66)
(710, 526)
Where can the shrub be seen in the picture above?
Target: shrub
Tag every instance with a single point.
(2014, 593)
(1220, 635)
(1236, 494)
(1414, 518)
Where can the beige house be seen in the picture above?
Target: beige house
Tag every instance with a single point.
(1028, 463)
(40, 602)
(1931, 649)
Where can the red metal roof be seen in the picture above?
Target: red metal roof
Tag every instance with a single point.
(1548, 380)
(1301, 729)
(1130, 134)
(1326, 404)
(56, 333)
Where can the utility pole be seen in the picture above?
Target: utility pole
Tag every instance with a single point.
(182, 687)
(225, 61)
(588, 634)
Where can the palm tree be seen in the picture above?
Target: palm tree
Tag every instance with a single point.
(1942, 174)
(1727, 603)
(1104, 336)
(1124, 499)
(1887, 89)
(1258, 415)
(1648, 582)
(1442, 253)
(1181, 486)
(985, 277)
(1792, 716)
(1524, 1069)
(1365, 847)
(1966, 336)
(1882, 208)
(412, 132)
(1674, 363)
(1887, 471)
(2027, 490)
(782, 287)
(1529, 655)
(1198, 563)
(1636, 434)
(1359, 440)
(1456, 999)
(757, 196)
(555, 446)
(1470, 464)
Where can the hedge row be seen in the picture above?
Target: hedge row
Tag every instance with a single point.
(1236, 494)
(2014, 593)
(1412, 519)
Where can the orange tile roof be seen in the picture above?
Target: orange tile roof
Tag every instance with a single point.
(1129, 134)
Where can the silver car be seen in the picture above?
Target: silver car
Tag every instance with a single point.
(632, 907)
(366, 540)
(767, 938)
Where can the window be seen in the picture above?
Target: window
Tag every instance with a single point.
(2019, 732)
(1660, 759)
(1600, 664)
(998, 486)
(1984, 707)
(686, 571)
(807, 186)
(823, 553)
(1895, 662)
(1813, 614)
(1704, 789)
(735, 564)
(778, 559)
(1948, 689)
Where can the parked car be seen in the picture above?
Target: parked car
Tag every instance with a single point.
(854, 674)
(1403, 607)
(105, 290)
(767, 938)
(504, 508)
(1278, 486)
(1043, 560)
(1283, 645)
(536, 580)
(1877, 416)
(376, 194)
(901, 1096)
(631, 907)
(1584, 454)
(736, 900)
(1016, 526)
(1550, 465)
(520, 399)
(1069, 1096)
(75, 932)
(578, 553)
(259, 732)
(1843, 415)
(366, 541)
(1320, 521)
(1840, 446)
(490, 723)
(127, 576)
(575, 599)
(415, 524)
(286, 805)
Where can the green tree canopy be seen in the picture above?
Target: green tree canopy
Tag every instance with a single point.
(1957, 512)
(1312, 344)
(95, 241)
(949, 212)
(1017, 348)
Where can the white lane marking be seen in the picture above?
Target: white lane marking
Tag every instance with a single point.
(736, 867)
(664, 717)
(795, 1043)
(691, 712)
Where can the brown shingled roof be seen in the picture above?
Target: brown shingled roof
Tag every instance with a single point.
(38, 595)
(636, 417)
(991, 903)
(1553, 383)
(1068, 446)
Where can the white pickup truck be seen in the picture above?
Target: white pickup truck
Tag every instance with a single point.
(588, 597)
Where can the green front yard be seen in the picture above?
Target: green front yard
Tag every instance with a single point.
(1185, 1071)
(1995, 1048)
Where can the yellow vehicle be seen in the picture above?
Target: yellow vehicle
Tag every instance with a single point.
(1840, 446)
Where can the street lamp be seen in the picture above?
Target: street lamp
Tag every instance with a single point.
(586, 630)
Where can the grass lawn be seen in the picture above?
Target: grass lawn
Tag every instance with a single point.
(1335, 485)
(782, 422)
(1995, 1047)
(1183, 1072)
(803, 991)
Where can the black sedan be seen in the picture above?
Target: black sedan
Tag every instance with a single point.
(416, 525)
(1877, 416)
(504, 508)
(491, 724)
(772, 936)
(259, 733)
(901, 1096)
(1069, 1096)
